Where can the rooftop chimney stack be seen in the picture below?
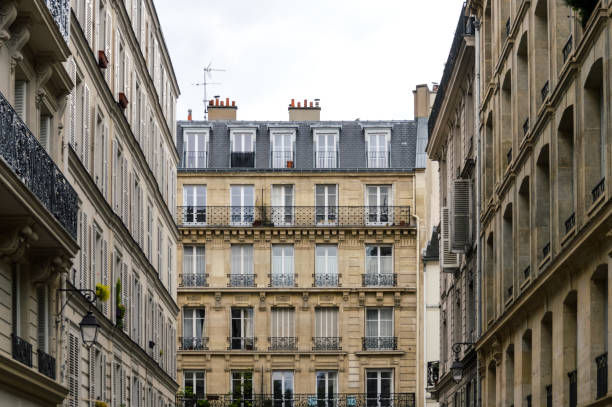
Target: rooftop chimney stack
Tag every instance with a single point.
(423, 100)
(189, 115)
(309, 112)
(222, 110)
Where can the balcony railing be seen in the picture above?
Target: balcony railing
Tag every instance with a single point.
(22, 152)
(525, 126)
(288, 399)
(193, 343)
(526, 272)
(599, 189)
(194, 159)
(22, 350)
(242, 160)
(573, 388)
(570, 222)
(326, 159)
(378, 159)
(326, 279)
(46, 364)
(567, 48)
(380, 343)
(509, 291)
(282, 158)
(544, 91)
(241, 343)
(433, 373)
(282, 343)
(326, 343)
(601, 364)
(549, 395)
(193, 280)
(241, 280)
(282, 280)
(379, 280)
(293, 216)
(60, 10)
(546, 249)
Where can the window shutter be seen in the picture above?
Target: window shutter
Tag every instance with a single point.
(86, 125)
(81, 236)
(115, 190)
(103, 378)
(131, 310)
(124, 180)
(122, 386)
(108, 45)
(89, 22)
(141, 218)
(116, 89)
(105, 163)
(73, 370)
(21, 99)
(44, 132)
(72, 102)
(92, 376)
(85, 249)
(449, 260)
(460, 238)
(131, 205)
(43, 317)
(105, 275)
(124, 295)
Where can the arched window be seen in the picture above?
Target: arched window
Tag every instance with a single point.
(562, 32)
(506, 118)
(565, 171)
(594, 133)
(509, 376)
(542, 61)
(546, 342)
(507, 253)
(524, 231)
(522, 86)
(542, 198)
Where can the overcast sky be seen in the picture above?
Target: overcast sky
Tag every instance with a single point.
(361, 58)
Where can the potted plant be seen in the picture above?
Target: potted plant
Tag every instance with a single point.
(102, 292)
(102, 60)
(99, 403)
(289, 163)
(120, 308)
(584, 8)
(203, 403)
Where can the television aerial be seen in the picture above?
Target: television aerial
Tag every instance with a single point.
(208, 75)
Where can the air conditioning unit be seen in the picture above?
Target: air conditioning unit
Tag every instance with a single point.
(449, 261)
(460, 216)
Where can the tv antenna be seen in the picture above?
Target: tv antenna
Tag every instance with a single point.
(207, 75)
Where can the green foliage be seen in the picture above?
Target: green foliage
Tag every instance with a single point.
(102, 292)
(203, 403)
(120, 312)
(267, 403)
(584, 8)
(118, 292)
(99, 403)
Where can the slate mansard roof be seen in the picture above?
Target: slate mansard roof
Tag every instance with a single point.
(405, 153)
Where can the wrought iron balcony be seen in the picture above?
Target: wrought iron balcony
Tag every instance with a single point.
(282, 280)
(326, 343)
(194, 159)
(599, 189)
(601, 364)
(241, 280)
(46, 364)
(378, 159)
(326, 279)
(374, 399)
(282, 343)
(544, 91)
(573, 388)
(526, 272)
(380, 343)
(379, 280)
(22, 152)
(242, 160)
(293, 216)
(282, 158)
(60, 10)
(546, 249)
(193, 280)
(567, 48)
(570, 222)
(326, 159)
(241, 343)
(22, 350)
(433, 373)
(193, 343)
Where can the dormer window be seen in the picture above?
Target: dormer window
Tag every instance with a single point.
(326, 148)
(282, 148)
(242, 148)
(195, 148)
(377, 147)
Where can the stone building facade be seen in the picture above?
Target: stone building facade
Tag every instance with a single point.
(88, 128)
(546, 212)
(453, 144)
(299, 259)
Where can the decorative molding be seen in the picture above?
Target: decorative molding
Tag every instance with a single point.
(15, 242)
(20, 35)
(8, 14)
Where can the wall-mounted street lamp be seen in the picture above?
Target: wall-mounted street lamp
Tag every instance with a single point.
(89, 324)
(457, 366)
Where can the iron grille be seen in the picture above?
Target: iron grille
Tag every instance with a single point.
(288, 399)
(544, 91)
(326, 159)
(379, 279)
(570, 222)
(282, 280)
(433, 373)
(326, 343)
(525, 126)
(282, 159)
(567, 48)
(46, 364)
(546, 249)
(60, 10)
(194, 159)
(599, 189)
(193, 343)
(326, 279)
(241, 343)
(242, 280)
(22, 350)
(380, 343)
(193, 280)
(282, 343)
(242, 160)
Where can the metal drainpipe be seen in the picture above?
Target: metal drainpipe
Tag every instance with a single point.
(478, 197)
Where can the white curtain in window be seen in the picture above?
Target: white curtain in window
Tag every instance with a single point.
(326, 322)
(242, 259)
(283, 322)
(326, 259)
(379, 322)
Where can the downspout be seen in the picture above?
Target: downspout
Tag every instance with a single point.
(421, 388)
(478, 195)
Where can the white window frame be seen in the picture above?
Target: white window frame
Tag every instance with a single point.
(283, 277)
(378, 321)
(332, 157)
(329, 218)
(236, 133)
(193, 374)
(195, 136)
(242, 214)
(377, 213)
(380, 161)
(282, 212)
(289, 151)
(193, 213)
(327, 260)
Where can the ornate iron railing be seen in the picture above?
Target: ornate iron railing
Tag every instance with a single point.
(293, 216)
(549, 395)
(379, 280)
(193, 343)
(22, 350)
(573, 388)
(302, 400)
(241, 343)
(326, 343)
(570, 222)
(326, 279)
(22, 152)
(380, 343)
(194, 159)
(282, 343)
(546, 249)
(193, 280)
(60, 10)
(282, 280)
(46, 364)
(241, 280)
(242, 160)
(526, 272)
(544, 91)
(378, 159)
(567, 48)
(599, 189)
(433, 373)
(509, 156)
(601, 364)
(282, 158)
(326, 159)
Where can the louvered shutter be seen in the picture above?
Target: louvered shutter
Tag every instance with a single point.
(92, 376)
(132, 308)
(132, 205)
(89, 22)
(122, 386)
(115, 274)
(73, 370)
(81, 251)
(135, 16)
(116, 89)
(449, 260)
(103, 379)
(115, 192)
(115, 384)
(91, 278)
(21, 99)
(108, 45)
(43, 317)
(124, 182)
(105, 275)
(460, 237)
(72, 102)
(84, 248)
(86, 126)
(44, 132)
(125, 286)
(105, 162)
(141, 218)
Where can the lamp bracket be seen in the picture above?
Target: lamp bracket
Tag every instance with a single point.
(89, 295)
(457, 347)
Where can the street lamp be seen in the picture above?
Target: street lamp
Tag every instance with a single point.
(457, 366)
(89, 329)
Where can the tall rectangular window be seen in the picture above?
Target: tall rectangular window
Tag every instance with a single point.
(326, 148)
(194, 380)
(195, 148)
(194, 204)
(282, 266)
(242, 266)
(242, 386)
(282, 205)
(326, 265)
(327, 388)
(282, 388)
(326, 335)
(282, 329)
(379, 266)
(193, 329)
(42, 296)
(21, 99)
(377, 207)
(379, 329)
(242, 329)
(326, 204)
(379, 388)
(282, 148)
(194, 266)
(377, 148)
(242, 200)
(242, 149)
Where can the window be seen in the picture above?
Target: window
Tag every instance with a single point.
(282, 266)
(242, 329)
(379, 329)
(282, 147)
(282, 205)
(101, 159)
(100, 374)
(21, 99)
(193, 329)
(195, 148)
(194, 204)
(137, 312)
(42, 296)
(282, 388)
(149, 231)
(379, 385)
(194, 266)
(282, 329)
(379, 266)
(326, 204)
(243, 148)
(45, 132)
(327, 387)
(377, 148)
(378, 199)
(242, 386)
(326, 266)
(326, 148)
(194, 380)
(242, 205)
(160, 247)
(326, 329)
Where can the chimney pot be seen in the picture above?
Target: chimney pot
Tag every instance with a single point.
(310, 104)
(211, 102)
(233, 103)
(226, 101)
(305, 103)
(189, 114)
(216, 102)
(292, 102)
(221, 103)
(299, 104)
